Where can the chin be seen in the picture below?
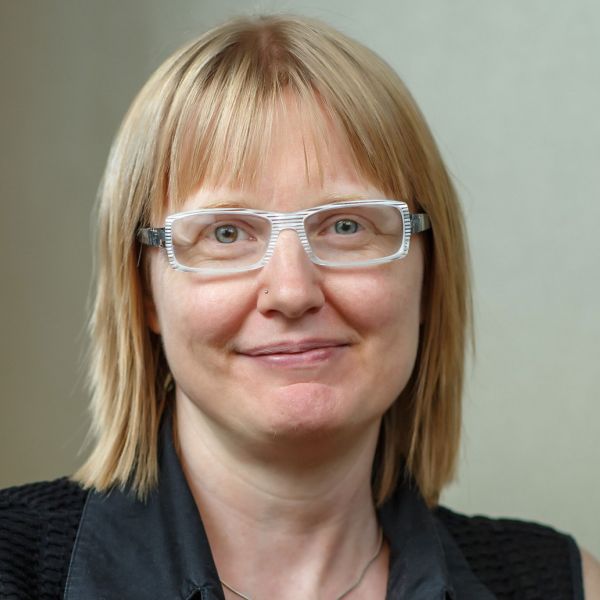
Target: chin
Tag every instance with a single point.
(307, 411)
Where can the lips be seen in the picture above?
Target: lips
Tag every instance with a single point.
(296, 355)
(293, 347)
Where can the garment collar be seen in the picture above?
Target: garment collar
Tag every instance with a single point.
(138, 550)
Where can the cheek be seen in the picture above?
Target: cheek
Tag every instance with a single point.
(385, 300)
(194, 312)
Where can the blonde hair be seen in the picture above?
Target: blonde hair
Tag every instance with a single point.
(205, 115)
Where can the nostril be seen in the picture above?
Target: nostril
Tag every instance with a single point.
(290, 283)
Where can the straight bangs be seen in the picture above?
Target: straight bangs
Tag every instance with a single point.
(225, 133)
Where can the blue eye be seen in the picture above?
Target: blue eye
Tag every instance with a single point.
(346, 226)
(226, 234)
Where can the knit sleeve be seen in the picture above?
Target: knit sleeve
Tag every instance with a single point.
(38, 525)
(518, 560)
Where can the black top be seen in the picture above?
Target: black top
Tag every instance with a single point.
(60, 541)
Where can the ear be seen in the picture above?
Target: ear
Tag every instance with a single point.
(424, 301)
(424, 292)
(151, 313)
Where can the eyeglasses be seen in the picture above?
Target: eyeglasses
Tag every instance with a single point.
(358, 233)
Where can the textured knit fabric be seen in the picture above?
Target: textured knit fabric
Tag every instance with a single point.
(517, 559)
(514, 559)
(38, 525)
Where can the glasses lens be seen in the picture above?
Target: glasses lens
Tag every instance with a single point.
(219, 240)
(353, 234)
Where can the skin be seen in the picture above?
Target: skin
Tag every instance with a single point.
(591, 575)
(278, 450)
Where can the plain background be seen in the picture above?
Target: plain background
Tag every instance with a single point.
(511, 90)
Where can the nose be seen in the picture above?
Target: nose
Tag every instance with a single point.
(290, 283)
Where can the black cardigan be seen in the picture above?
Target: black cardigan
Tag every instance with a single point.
(514, 559)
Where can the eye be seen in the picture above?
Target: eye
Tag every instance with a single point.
(227, 234)
(346, 226)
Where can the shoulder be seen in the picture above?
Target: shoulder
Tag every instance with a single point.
(38, 525)
(516, 558)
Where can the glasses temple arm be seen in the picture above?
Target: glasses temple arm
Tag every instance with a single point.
(420, 222)
(151, 236)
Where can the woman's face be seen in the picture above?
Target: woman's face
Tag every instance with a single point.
(325, 350)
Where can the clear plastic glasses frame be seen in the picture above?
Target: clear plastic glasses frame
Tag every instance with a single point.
(163, 236)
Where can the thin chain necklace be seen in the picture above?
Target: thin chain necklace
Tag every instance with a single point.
(342, 595)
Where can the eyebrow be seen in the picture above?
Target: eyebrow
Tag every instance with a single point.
(326, 199)
(346, 197)
(226, 204)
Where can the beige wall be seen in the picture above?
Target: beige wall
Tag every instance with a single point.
(511, 90)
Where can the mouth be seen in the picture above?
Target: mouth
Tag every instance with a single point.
(299, 353)
(292, 347)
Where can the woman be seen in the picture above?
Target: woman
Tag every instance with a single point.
(278, 334)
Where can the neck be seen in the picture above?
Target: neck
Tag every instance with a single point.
(303, 508)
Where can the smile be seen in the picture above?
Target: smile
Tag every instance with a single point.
(304, 353)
